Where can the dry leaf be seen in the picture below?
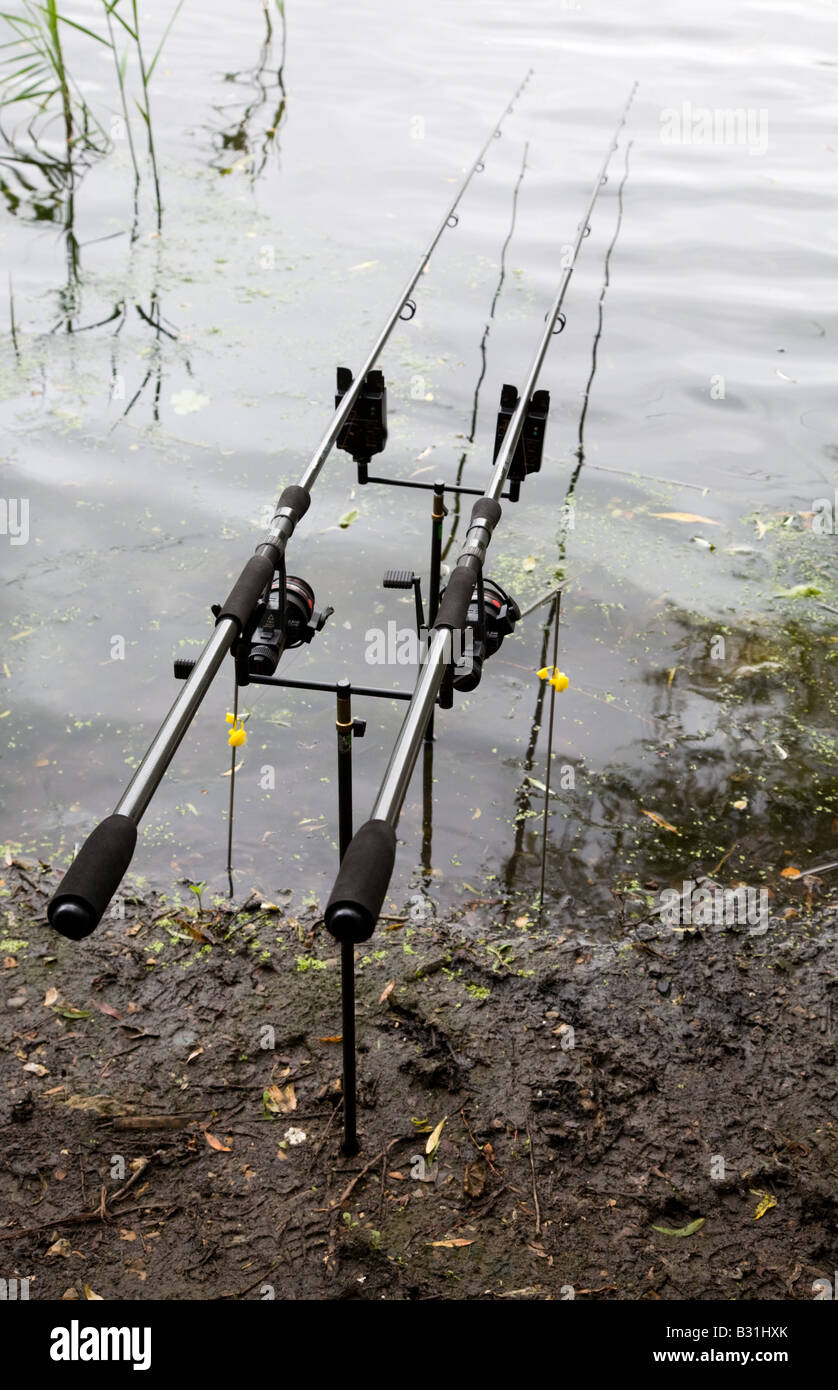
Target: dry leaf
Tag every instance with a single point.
(474, 1179)
(790, 873)
(434, 1138)
(280, 1100)
(108, 1009)
(450, 1244)
(61, 1247)
(217, 1144)
(387, 990)
(51, 997)
(91, 1296)
(659, 820)
(335, 1038)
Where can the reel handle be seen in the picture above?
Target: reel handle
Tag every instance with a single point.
(76, 908)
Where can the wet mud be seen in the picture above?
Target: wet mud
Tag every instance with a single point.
(632, 1112)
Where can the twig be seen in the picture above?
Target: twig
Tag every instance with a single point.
(339, 1201)
(121, 1191)
(83, 1218)
(479, 1147)
(534, 1187)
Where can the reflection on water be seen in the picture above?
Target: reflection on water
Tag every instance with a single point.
(246, 140)
(178, 302)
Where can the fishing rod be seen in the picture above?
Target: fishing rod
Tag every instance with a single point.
(264, 604)
(367, 864)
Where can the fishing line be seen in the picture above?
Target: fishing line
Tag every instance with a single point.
(458, 477)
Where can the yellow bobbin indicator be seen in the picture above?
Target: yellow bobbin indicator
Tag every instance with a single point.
(237, 734)
(556, 678)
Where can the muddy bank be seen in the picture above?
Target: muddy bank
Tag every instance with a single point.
(171, 1106)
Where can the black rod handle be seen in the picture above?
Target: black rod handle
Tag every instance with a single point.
(362, 882)
(93, 878)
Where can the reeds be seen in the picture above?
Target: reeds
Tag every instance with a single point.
(36, 78)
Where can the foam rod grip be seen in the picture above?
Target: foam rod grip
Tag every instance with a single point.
(362, 882)
(93, 878)
(453, 610)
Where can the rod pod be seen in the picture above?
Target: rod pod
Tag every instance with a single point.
(77, 906)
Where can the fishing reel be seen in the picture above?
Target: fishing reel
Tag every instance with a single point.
(492, 615)
(285, 617)
(283, 625)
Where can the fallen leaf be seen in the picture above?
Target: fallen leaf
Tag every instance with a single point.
(335, 1038)
(279, 1100)
(61, 1247)
(766, 1202)
(434, 1138)
(36, 1069)
(790, 873)
(387, 991)
(529, 564)
(474, 1179)
(659, 820)
(686, 516)
(107, 1009)
(449, 1244)
(91, 1296)
(217, 1144)
(689, 1230)
(51, 996)
(348, 518)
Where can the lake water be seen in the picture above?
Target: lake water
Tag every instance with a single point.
(160, 387)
